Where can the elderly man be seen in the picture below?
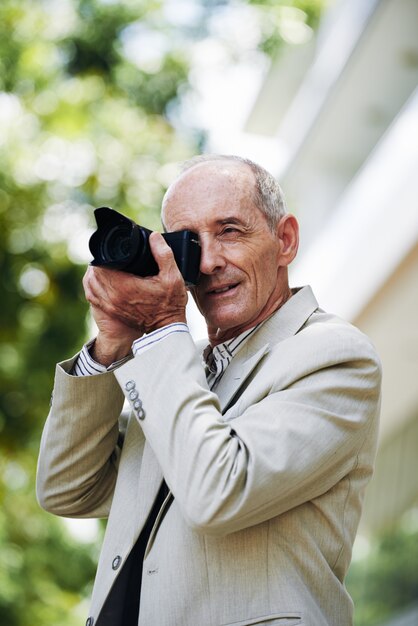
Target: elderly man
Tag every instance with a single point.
(234, 489)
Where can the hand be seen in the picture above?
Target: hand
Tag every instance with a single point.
(125, 306)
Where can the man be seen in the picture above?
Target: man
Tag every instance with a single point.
(235, 489)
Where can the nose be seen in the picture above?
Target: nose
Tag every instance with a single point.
(212, 259)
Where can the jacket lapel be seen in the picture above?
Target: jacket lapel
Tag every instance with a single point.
(236, 374)
(287, 321)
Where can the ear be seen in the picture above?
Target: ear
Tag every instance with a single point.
(288, 234)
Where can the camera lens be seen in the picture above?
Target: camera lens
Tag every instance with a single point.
(117, 244)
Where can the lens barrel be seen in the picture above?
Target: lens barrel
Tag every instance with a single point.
(117, 244)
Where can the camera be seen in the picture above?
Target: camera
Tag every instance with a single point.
(121, 244)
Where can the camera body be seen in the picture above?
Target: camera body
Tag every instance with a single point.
(121, 244)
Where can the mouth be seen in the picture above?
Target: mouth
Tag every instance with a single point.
(221, 289)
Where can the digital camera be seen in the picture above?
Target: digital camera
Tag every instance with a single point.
(121, 244)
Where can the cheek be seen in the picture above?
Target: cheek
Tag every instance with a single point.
(264, 274)
(254, 257)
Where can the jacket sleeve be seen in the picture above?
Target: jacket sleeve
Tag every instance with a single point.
(80, 449)
(297, 429)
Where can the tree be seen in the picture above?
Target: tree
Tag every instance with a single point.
(385, 581)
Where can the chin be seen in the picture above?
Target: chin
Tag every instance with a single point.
(224, 321)
(224, 325)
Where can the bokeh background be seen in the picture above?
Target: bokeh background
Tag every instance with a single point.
(100, 100)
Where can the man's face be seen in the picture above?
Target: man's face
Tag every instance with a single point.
(239, 284)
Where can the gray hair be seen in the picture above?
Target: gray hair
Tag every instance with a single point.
(268, 195)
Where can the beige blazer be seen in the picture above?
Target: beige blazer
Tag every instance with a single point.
(268, 474)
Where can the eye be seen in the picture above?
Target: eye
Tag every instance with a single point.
(229, 230)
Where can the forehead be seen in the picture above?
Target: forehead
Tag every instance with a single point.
(209, 192)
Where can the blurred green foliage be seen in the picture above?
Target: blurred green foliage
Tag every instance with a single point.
(385, 582)
(287, 22)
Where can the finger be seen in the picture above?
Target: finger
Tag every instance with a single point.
(87, 283)
(107, 282)
(162, 252)
(96, 285)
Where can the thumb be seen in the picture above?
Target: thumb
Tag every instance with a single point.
(161, 252)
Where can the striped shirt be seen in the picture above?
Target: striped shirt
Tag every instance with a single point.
(216, 359)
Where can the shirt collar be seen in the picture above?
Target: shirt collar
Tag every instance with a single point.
(218, 358)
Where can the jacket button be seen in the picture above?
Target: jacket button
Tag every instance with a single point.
(141, 414)
(89, 621)
(130, 385)
(116, 562)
